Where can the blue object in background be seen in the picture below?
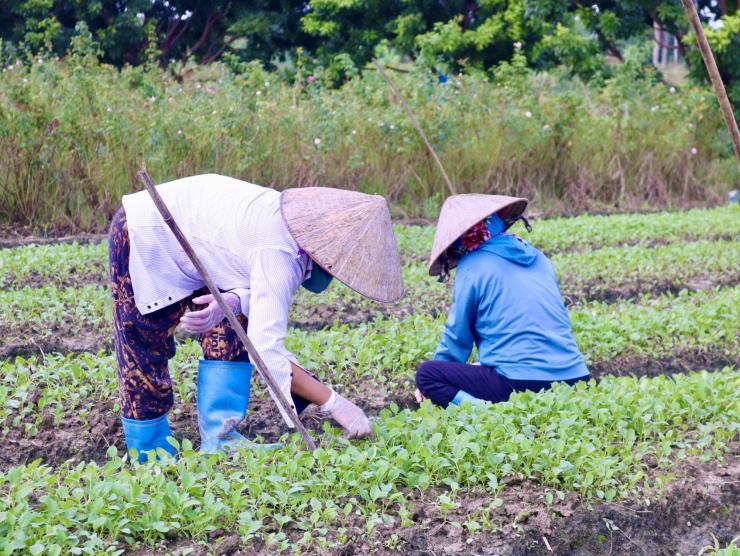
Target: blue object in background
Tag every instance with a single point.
(735, 196)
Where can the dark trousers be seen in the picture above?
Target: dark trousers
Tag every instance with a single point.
(440, 381)
(145, 343)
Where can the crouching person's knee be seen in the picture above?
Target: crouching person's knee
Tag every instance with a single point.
(426, 377)
(436, 382)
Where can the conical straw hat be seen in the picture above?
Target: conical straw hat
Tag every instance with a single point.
(348, 234)
(461, 212)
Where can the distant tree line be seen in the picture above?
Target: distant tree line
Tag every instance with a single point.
(342, 35)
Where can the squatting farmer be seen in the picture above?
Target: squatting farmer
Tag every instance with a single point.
(259, 245)
(506, 301)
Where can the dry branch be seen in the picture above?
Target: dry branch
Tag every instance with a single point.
(719, 88)
(416, 123)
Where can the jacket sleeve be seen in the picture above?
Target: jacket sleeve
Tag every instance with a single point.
(274, 277)
(457, 339)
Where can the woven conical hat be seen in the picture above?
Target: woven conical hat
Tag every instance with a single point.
(461, 212)
(348, 234)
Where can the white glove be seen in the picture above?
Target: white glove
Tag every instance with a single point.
(349, 416)
(205, 319)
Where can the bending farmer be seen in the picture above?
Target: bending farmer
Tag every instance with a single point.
(506, 301)
(259, 245)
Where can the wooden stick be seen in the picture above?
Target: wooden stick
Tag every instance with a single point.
(719, 88)
(238, 328)
(416, 123)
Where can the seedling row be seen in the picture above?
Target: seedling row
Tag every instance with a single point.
(594, 440)
(644, 289)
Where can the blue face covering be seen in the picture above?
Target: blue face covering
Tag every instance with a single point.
(319, 280)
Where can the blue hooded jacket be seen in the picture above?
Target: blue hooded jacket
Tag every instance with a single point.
(506, 301)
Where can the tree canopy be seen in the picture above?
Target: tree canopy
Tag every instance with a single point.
(342, 35)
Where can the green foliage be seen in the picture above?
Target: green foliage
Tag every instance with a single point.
(337, 37)
(594, 231)
(612, 440)
(74, 133)
(53, 388)
(637, 268)
(592, 254)
(650, 326)
(725, 44)
(141, 31)
(732, 549)
(61, 264)
(594, 440)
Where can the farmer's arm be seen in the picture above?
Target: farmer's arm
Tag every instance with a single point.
(306, 386)
(274, 276)
(457, 339)
(348, 415)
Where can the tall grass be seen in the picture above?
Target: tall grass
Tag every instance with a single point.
(74, 132)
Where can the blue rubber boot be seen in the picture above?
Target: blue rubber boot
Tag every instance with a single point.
(147, 435)
(223, 396)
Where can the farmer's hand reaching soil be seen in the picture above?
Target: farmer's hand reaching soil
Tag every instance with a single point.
(349, 416)
(205, 319)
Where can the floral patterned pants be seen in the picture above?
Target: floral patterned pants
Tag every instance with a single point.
(145, 343)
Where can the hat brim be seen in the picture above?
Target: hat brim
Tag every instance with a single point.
(461, 212)
(348, 234)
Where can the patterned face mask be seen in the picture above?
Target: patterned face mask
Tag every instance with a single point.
(469, 242)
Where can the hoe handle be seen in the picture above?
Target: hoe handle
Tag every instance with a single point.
(238, 328)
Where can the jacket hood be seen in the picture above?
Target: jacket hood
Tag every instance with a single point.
(511, 248)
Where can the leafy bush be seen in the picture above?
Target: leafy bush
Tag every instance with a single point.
(73, 133)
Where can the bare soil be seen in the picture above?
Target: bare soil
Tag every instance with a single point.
(17, 237)
(595, 291)
(681, 362)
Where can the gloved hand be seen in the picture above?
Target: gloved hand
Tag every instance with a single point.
(349, 416)
(205, 319)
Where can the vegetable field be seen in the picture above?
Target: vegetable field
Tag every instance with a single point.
(645, 459)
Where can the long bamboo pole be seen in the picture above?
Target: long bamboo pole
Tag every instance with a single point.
(719, 88)
(238, 328)
(416, 123)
